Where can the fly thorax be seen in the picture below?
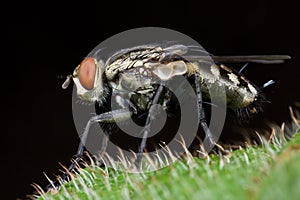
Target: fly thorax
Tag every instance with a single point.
(129, 82)
(129, 60)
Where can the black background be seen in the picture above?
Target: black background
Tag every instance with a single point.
(43, 41)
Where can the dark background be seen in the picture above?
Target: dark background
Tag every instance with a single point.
(43, 41)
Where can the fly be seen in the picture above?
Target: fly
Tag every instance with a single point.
(132, 75)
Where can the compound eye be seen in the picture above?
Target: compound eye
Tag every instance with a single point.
(87, 72)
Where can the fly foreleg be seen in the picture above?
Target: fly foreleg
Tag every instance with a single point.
(107, 117)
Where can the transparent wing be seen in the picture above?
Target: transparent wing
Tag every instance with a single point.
(264, 59)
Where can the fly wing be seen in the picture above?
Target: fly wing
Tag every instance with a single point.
(264, 59)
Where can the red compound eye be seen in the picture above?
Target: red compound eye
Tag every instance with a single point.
(87, 72)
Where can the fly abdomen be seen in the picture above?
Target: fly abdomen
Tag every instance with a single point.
(240, 92)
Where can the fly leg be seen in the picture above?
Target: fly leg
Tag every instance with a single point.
(209, 142)
(108, 117)
(146, 129)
